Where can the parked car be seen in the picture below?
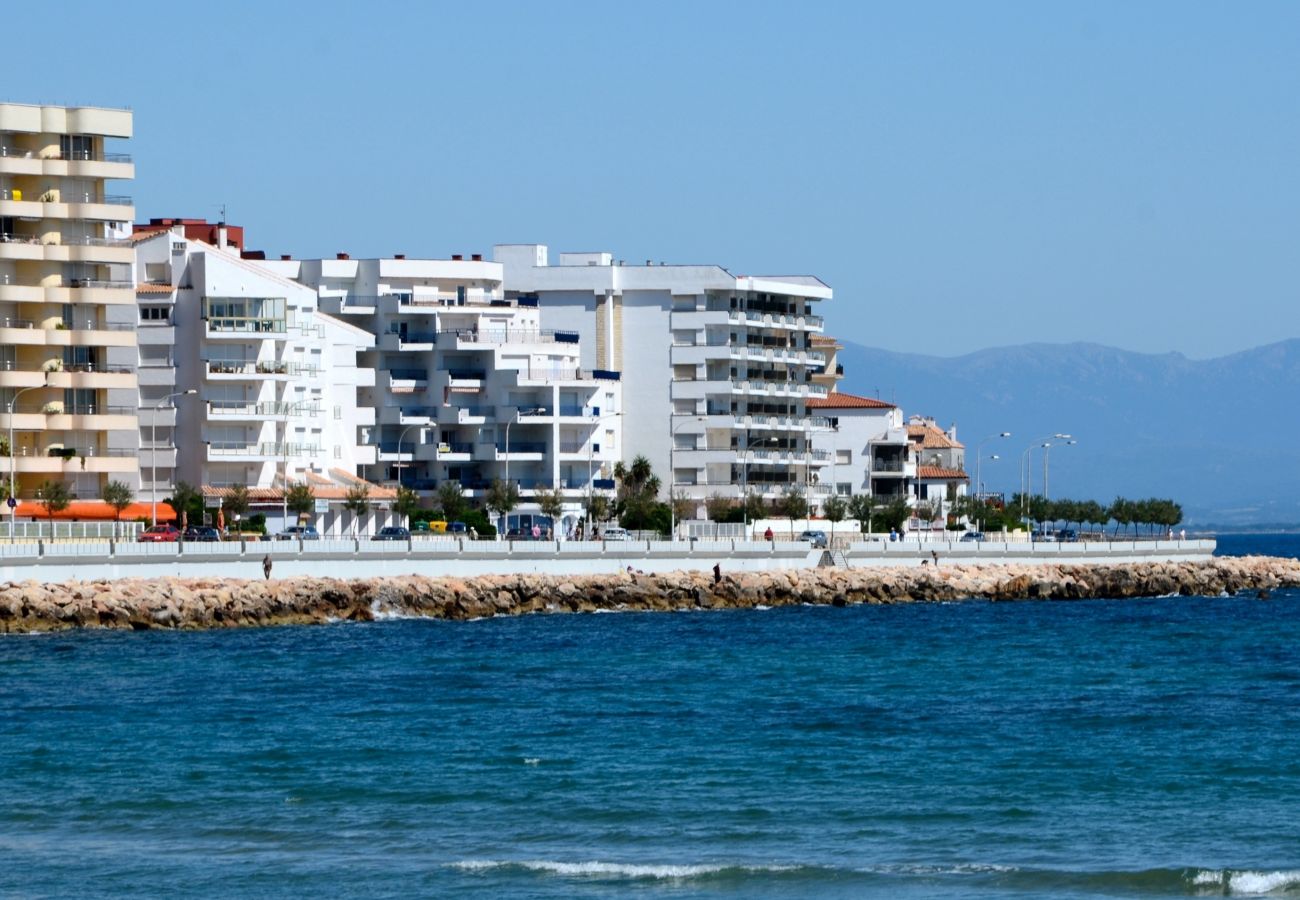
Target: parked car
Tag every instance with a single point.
(299, 533)
(973, 536)
(392, 533)
(519, 534)
(1067, 536)
(1044, 537)
(159, 534)
(614, 533)
(201, 533)
(816, 538)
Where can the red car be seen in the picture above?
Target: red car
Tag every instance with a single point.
(160, 534)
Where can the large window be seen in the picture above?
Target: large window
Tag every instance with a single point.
(253, 314)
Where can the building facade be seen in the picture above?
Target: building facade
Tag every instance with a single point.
(67, 308)
(470, 387)
(246, 383)
(717, 368)
(868, 444)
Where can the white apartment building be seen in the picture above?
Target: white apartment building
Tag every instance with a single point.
(717, 368)
(67, 318)
(470, 388)
(940, 469)
(869, 446)
(245, 382)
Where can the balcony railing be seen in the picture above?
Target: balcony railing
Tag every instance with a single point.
(58, 408)
(408, 374)
(101, 284)
(250, 326)
(217, 367)
(264, 448)
(522, 446)
(888, 465)
(267, 408)
(456, 447)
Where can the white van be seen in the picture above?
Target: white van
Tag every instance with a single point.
(614, 533)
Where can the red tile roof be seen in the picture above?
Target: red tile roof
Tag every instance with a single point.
(928, 437)
(838, 400)
(938, 473)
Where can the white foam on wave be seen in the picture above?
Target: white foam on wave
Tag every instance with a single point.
(761, 608)
(1248, 882)
(596, 869)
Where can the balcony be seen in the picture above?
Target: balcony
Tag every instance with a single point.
(406, 380)
(245, 329)
(219, 370)
(528, 450)
(455, 451)
(239, 451)
(92, 376)
(63, 460)
(260, 411)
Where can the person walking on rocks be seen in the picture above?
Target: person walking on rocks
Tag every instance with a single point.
(266, 566)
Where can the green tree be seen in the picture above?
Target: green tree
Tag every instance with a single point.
(1123, 512)
(637, 495)
(236, 501)
(754, 508)
(718, 508)
(301, 499)
(406, 503)
(186, 500)
(451, 497)
(551, 502)
(794, 505)
(834, 510)
(54, 498)
(891, 513)
(683, 506)
(502, 497)
(118, 495)
(597, 510)
(357, 502)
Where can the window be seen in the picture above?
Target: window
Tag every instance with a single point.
(843, 457)
(338, 412)
(155, 313)
(76, 146)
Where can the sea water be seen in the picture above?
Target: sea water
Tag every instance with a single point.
(963, 750)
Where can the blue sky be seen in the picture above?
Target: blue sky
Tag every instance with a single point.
(964, 175)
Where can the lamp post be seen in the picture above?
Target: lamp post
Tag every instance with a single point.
(672, 474)
(13, 453)
(153, 448)
(528, 411)
(590, 447)
(1047, 448)
(399, 450)
(744, 478)
(284, 458)
(1026, 472)
(979, 458)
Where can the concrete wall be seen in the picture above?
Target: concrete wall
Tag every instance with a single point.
(90, 560)
(347, 559)
(906, 553)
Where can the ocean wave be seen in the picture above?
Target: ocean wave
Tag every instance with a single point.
(1188, 881)
(1247, 882)
(628, 871)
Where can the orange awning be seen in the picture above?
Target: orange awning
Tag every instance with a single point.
(95, 511)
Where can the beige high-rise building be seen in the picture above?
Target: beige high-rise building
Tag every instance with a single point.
(68, 351)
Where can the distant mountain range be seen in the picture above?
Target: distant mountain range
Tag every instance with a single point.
(1221, 436)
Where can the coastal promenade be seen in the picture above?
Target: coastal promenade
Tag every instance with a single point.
(100, 560)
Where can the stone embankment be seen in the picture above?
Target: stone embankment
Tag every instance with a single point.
(214, 602)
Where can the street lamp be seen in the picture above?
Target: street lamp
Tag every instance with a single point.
(1026, 471)
(399, 450)
(672, 474)
(153, 448)
(284, 459)
(744, 478)
(590, 447)
(13, 453)
(979, 458)
(1047, 448)
(527, 411)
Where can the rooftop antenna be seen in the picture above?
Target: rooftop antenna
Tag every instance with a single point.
(222, 221)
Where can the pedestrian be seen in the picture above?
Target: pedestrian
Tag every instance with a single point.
(473, 533)
(1182, 534)
(767, 535)
(935, 555)
(266, 566)
(537, 532)
(717, 574)
(893, 534)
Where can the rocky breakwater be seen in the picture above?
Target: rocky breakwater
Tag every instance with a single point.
(214, 602)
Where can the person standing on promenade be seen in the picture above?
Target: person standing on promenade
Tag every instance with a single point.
(767, 535)
(266, 566)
